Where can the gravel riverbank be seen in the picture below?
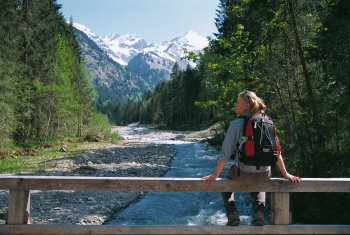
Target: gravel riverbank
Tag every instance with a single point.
(94, 208)
(132, 157)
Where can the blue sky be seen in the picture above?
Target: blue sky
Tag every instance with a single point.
(153, 20)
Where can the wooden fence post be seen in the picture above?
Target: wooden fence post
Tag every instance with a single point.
(280, 208)
(19, 207)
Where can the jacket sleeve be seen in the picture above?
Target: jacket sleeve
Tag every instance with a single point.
(231, 138)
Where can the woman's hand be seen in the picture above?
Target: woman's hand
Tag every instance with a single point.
(282, 168)
(292, 178)
(210, 178)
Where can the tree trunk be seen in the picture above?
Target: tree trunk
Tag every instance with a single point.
(314, 112)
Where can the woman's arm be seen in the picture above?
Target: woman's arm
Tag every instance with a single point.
(282, 168)
(228, 149)
(219, 166)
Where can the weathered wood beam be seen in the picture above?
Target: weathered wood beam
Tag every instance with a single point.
(19, 207)
(163, 184)
(111, 229)
(280, 208)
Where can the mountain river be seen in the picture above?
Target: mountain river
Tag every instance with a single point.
(193, 159)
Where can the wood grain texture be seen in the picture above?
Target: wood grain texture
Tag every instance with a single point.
(163, 184)
(109, 229)
(280, 208)
(19, 204)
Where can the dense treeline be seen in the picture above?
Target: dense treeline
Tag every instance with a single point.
(172, 104)
(46, 92)
(295, 55)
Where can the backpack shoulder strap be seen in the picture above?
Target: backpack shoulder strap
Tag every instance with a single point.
(246, 119)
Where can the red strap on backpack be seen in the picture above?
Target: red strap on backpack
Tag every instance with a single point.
(249, 147)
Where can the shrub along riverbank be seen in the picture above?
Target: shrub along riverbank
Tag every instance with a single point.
(36, 156)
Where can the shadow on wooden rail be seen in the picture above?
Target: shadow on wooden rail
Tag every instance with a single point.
(19, 203)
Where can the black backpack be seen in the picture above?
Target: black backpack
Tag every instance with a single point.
(260, 145)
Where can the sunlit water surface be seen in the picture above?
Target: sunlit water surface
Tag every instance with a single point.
(170, 208)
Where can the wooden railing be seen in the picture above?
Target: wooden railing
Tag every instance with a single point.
(19, 200)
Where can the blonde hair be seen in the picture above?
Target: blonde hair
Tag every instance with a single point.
(256, 103)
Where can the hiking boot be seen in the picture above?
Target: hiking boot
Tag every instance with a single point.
(258, 216)
(232, 215)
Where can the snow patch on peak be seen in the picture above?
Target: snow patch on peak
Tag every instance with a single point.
(133, 40)
(195, 39)
(86, 30)
(191, 39)
(112, 36)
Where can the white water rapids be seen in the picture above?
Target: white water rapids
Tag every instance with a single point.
(193, 159)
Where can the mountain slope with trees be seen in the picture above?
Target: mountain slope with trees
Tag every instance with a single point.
(112, 81)
(46, 92)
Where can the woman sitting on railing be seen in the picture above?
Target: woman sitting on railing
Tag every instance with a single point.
(248, 104)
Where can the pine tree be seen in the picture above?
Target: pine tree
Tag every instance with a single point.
(46, 90)
(9, 68)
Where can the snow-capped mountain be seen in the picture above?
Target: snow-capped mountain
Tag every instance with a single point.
(111, 80)
(174, 49)
(151, 62)
(88, 33)
(124, 48)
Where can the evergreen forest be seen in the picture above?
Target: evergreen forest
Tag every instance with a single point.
(295, 54)
(46, 90)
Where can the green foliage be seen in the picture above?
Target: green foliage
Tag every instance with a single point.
(23, 164)
(9, 53)
(172, 104)
(98, 125)
(7, 116)
(46, 91)
(115, 138)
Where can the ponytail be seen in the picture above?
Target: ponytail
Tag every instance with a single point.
(256, 103)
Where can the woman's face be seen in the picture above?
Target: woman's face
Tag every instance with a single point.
(241, 106)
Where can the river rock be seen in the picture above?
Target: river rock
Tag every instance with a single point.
(95, 208)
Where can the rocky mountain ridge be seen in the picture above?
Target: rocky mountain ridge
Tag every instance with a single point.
(123, 48)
